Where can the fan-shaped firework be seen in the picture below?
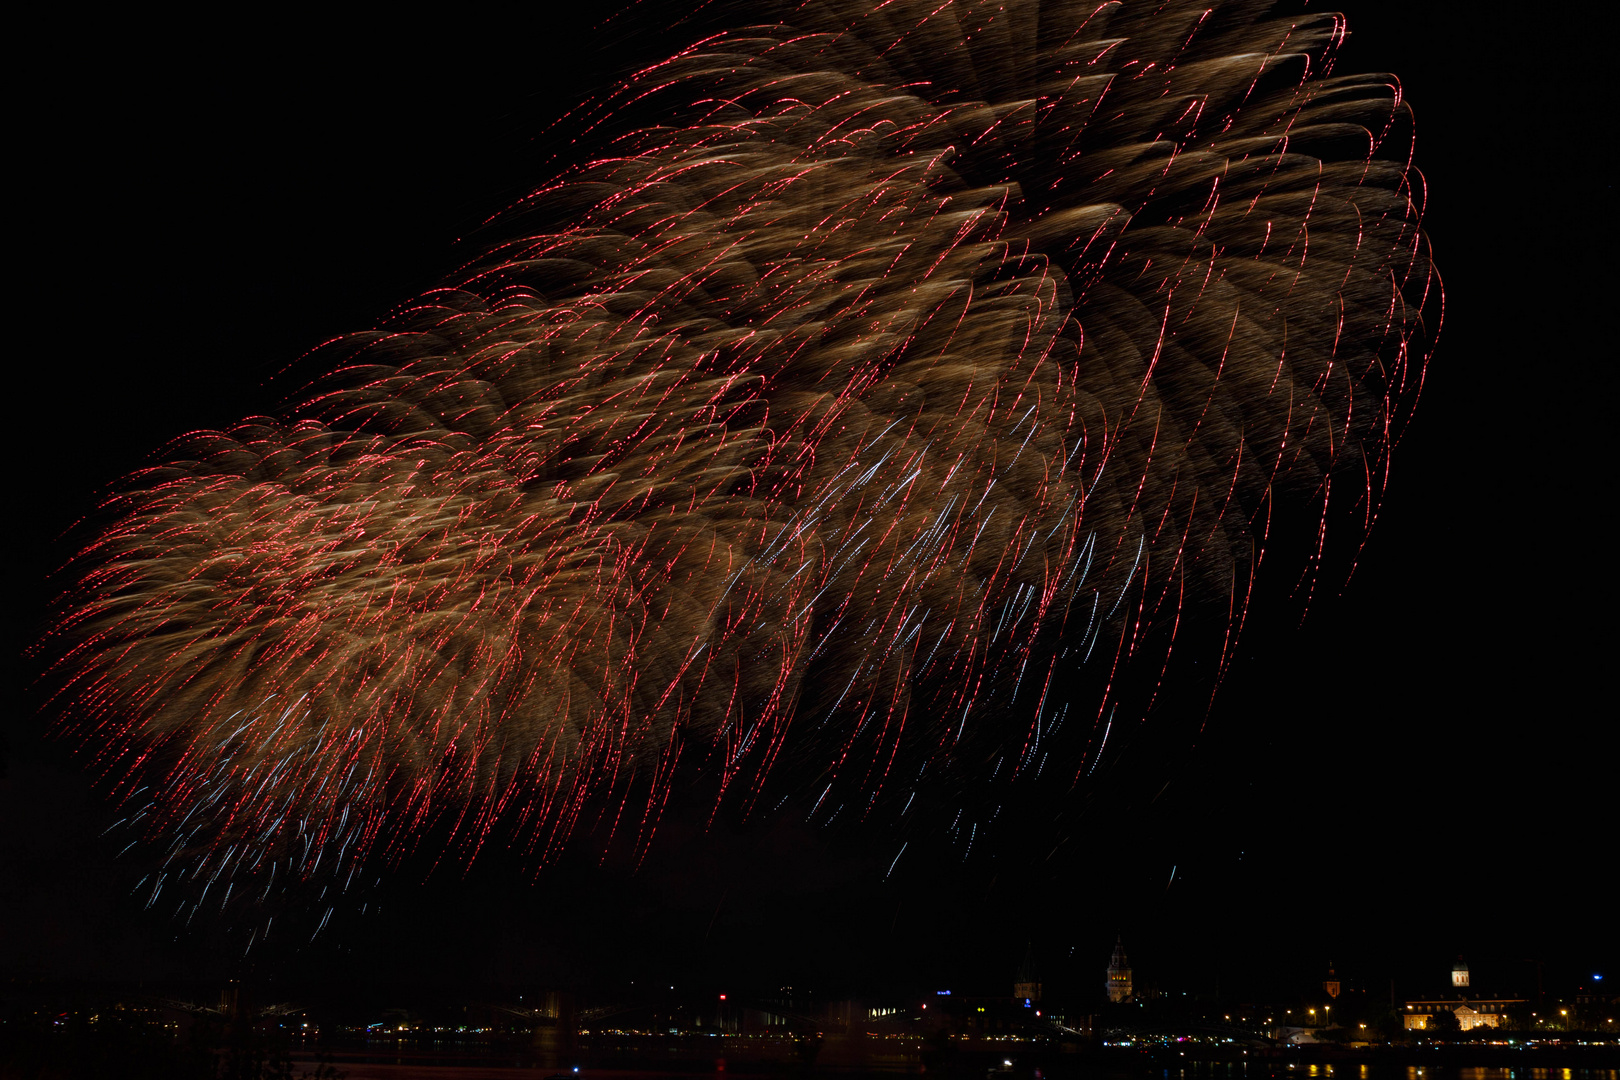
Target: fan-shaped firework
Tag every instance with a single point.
(885, 365)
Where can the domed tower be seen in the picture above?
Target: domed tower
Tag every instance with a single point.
(1119, 974)
(1459, 973)
(1330, 985)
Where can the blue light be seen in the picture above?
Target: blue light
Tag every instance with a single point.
(942, 993)
(1599, 978)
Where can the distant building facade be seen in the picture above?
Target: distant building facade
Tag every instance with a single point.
(1419, 1015)
(1119, 975)
(1470, 1013)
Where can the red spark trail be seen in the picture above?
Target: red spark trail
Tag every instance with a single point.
(816, 433)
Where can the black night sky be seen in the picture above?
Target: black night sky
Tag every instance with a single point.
(1419, 770)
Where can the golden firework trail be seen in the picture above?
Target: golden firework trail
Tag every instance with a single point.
(880, 371)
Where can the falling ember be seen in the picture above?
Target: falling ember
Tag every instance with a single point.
(888, 375)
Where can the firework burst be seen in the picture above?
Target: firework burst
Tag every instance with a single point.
(883, 378)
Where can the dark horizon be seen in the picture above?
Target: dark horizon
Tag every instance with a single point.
(1412, 774)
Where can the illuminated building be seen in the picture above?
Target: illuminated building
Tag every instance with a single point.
(1330, 985)
(1470, 1014)
(1419, 1015)
(1119, 974)
(1026, 985)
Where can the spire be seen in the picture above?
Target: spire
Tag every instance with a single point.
(1119, 974)
(1027, 985)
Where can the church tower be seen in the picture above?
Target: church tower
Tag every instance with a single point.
(1330, 985)
(1119, 974)
(1459, 973)
(1027, 984)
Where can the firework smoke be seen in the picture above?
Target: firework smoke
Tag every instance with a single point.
(885, 377)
